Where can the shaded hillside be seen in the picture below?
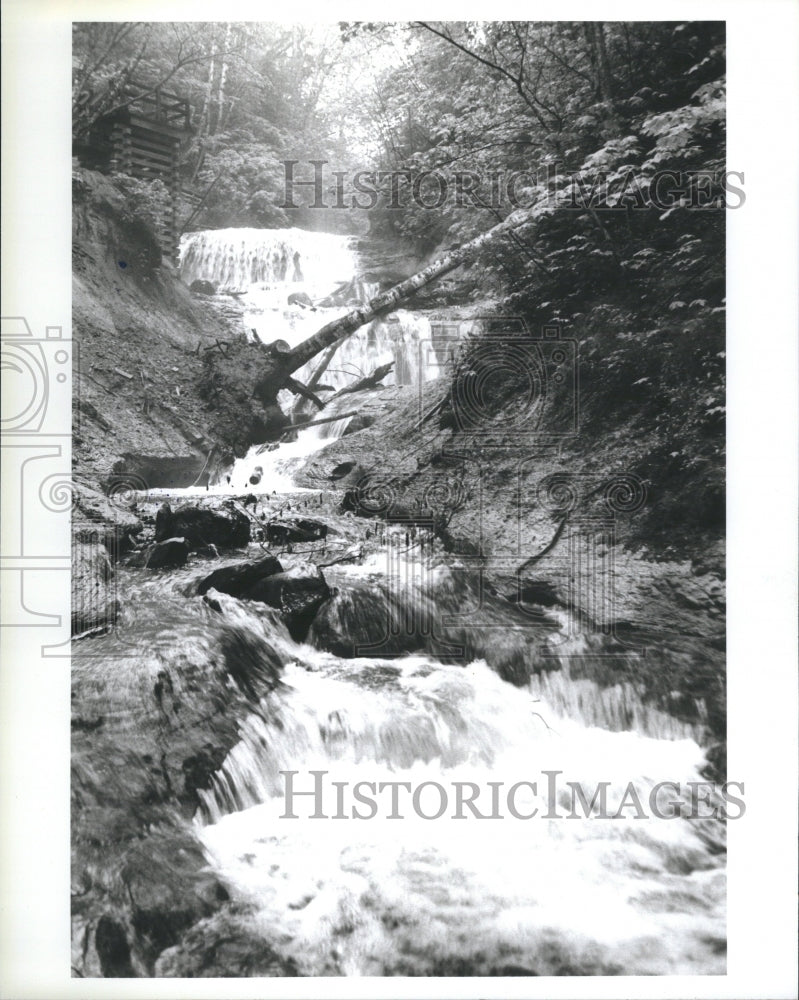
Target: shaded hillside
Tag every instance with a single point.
(143, 343)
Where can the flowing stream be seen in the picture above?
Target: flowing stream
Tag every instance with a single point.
(458, 894)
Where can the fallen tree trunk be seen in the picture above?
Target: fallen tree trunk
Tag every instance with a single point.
(388, 301)
(324, 363)
(316, 378)
(283, 363)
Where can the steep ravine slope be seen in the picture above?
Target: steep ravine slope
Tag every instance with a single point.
(142, 341)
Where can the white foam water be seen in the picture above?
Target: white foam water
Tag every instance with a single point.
(450, 896)
(416, 896)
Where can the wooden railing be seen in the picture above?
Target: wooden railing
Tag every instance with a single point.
(157, 105)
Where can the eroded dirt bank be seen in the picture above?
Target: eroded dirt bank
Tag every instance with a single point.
(147, 400)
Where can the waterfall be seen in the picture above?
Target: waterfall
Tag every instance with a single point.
(562, 892)
(235, 259)
(553, 895)
(319, 272)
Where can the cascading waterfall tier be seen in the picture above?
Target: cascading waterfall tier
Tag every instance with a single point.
(235, 259)
(519, 893)
(292, 282)
(543, 896)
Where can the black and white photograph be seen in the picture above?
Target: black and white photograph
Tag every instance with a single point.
(396, 511)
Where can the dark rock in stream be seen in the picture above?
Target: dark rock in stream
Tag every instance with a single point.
(297, 529)
(207, 551)
(201, 526)
(163, 519)
(170, 553)
(359, 617)
(297, 593)
(202, 287)
(236, 580)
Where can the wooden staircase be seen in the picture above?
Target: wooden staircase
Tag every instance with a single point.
(142, 137)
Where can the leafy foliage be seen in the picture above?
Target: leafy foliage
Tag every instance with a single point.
(616, 133)
(255, 90)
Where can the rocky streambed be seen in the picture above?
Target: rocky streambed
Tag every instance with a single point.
(233, 636)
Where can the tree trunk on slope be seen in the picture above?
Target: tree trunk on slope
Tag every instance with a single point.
(388, 301)
(278, 370)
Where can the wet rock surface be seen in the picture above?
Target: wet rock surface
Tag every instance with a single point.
(106, 519)
(147, 739)
(297, 592)
(223, 945)
(203, 526)
(168, 554)
(239, 577)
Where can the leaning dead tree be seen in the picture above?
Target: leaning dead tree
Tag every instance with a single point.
(282, 363)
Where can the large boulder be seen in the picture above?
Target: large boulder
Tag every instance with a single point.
(297, 593)
(202, 526)
(94, 601)
(359, 616)
(300, 299)
(202, 287)
(169, 553)
(238, 579)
